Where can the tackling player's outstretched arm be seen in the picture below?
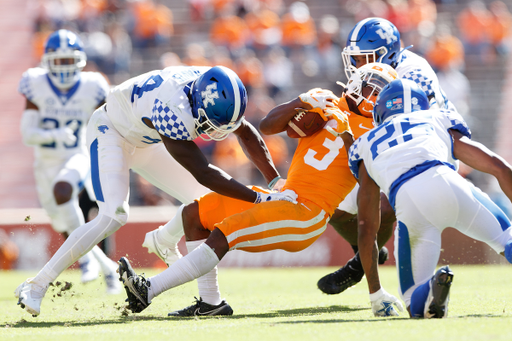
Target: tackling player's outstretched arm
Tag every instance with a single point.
(256, 150)
(188, 154)
(368, 202)
(479, 157)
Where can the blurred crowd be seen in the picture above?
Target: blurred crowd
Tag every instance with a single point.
(279, 48)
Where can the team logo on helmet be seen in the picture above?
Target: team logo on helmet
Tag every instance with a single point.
(208, 95)
(386, 33)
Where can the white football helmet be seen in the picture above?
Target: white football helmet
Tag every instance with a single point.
(366, 83)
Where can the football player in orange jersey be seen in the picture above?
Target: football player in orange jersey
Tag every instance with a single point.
(319, 177)
(344, 219)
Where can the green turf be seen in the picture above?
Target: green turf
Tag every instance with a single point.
(269, 304)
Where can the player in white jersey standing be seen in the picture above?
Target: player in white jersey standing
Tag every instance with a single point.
(60, 99)
(376, 40)
(148, 125)
(411, 156)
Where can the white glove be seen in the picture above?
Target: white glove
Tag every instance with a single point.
(382, 303)
(320, 100)
(287, 195)
(66, 134)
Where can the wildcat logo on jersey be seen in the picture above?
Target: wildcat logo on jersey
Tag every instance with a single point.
(386, 34)
(103, 128)
(208, 95)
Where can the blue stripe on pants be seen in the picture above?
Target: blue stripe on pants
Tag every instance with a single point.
(492, 207)
(95, 171)
(404, 258)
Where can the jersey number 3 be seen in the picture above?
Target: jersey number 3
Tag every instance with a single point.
(322, 164)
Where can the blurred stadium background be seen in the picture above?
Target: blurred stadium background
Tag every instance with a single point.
(279, 48)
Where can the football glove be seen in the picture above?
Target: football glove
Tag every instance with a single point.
(342, 120)
(319, 99)
(382, 304)
(287, 195)
(65, 134)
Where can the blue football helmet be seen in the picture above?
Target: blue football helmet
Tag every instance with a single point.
(401, 96)
(64, 58)
(376, 39)
(219, 100)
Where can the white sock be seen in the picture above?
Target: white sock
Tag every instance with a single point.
(194, 265)
(68, 217)
(170, 234)
(75, 246)
(208, 285)
(107, 265)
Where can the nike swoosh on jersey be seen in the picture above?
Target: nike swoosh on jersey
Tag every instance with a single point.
(363, 127)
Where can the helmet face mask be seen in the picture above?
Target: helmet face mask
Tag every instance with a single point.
(401, 96)
(219, 100)
(371, 40)
(64, 58)
(366, 83)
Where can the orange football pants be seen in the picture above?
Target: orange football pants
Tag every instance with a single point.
(266, 226)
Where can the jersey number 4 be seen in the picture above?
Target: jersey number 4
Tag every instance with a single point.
(150, 84)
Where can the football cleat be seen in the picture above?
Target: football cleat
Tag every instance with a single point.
(438, 297)
(168, 255)
(201, 308)
(29, 298)
(136, 287)
(348, 275)
(90, 270)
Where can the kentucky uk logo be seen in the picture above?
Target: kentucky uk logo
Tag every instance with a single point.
(208, 95)
(386, 34)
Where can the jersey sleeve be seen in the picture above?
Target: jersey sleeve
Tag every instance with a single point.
(167, 123)
(454, 121)
(354, 157)
(422, 79)
(25, 87)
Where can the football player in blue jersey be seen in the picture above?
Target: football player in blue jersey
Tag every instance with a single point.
(412, 157)
(148, 125)
(376, 40)
(60, 100)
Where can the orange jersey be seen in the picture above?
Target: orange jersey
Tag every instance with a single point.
(319, 170)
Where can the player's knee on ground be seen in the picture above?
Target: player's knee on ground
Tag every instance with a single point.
(62, 191)
(192, 226)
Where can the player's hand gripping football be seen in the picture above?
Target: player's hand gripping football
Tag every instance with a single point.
(382, 304)
(287, 195)
(319, 99)
(342, 120)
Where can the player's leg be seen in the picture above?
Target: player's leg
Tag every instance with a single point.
(344, 221)
(425, 205)
(263, 227)
(110, 162)
(155, 165)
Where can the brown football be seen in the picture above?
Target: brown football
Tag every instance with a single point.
(304, 124)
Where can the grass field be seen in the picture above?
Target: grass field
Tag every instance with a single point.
(269, 304)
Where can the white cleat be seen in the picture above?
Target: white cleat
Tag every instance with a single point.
(114, 286)
(90, 270)
(168, 255)
(25, 294)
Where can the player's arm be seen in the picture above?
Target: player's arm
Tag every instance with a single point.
(277, 119)
(33, 135)
(368, 202)
(256, 150)
(188, 154)
(479, 157)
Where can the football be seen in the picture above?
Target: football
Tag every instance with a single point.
(304, 124)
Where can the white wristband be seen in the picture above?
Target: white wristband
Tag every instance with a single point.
(376, 295)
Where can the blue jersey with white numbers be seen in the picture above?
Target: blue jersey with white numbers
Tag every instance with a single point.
(416, 68)
(58, 109)
(405, 146)
(160, 96)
